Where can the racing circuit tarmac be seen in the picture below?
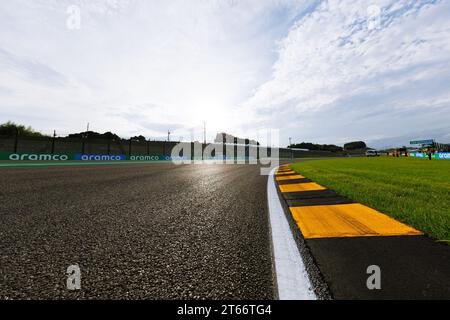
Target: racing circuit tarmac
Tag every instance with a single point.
(166, 231)
(137, 231)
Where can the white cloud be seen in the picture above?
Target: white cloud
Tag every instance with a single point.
(312, 68)
(333, 70)
(194, 60)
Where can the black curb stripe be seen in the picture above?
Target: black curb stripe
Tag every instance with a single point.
(309, 194)
(302, 180)
(286, 173)
(318, 201)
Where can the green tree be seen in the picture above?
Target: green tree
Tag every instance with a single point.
(314, 146)
(11, 129)
(140, 138)
(355, 145)
(111, 136)
(95, 135)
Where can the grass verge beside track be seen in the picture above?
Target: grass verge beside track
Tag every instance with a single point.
(414, 191)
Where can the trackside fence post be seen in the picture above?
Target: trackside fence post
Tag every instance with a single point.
(16, 140)
(83, 138)
(53, 142)
(129, 148)
(224, 149)
(235, 155)
(247, 151)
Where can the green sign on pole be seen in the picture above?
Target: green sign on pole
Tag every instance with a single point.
(428, 141)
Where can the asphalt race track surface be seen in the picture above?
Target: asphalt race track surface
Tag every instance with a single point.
(153, 231)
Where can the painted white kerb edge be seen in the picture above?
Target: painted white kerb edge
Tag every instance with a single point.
(292, 278)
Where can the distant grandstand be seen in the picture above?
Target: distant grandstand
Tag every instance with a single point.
(229, 138)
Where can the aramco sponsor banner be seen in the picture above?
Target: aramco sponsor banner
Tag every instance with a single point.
(100, 157)
(437, 155)
(82, 157)
(35, 157)
(443, 155)
(120, 157)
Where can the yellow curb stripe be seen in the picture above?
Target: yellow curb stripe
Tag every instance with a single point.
(347, 220)
(293, 177)
(298, 187)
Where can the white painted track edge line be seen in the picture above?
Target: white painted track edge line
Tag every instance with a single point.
(291, 276)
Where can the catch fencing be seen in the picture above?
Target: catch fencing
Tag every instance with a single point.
(131, 149)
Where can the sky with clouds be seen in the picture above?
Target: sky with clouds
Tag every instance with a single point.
(318, 71)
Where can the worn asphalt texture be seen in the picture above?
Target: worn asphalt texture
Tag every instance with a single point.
(153, 231)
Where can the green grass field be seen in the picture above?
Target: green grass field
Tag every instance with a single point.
(414, 191)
